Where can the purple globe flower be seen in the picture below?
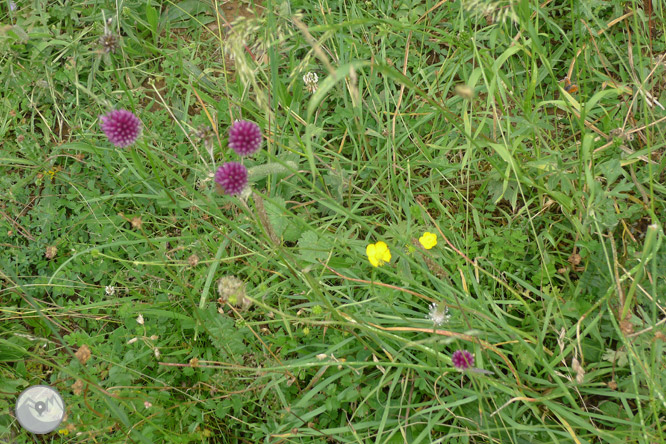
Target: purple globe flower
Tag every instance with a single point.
(121, 127)
(232, 177)
(462, 359)
(244, 137)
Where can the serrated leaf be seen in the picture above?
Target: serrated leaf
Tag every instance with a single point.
(313, 248)
(223, 333)
(617, 357)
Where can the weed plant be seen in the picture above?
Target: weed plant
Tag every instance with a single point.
(452, 230)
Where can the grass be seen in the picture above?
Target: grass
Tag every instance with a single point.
(546, 195)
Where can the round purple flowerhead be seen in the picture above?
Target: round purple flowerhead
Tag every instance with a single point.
(244, 137)
(231, 177)
(462, 359)
(121, 127)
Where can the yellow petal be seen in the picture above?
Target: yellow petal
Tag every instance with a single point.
(428, 240)
(382, 253)
(378, 253)
(387, 256)
(370, 250)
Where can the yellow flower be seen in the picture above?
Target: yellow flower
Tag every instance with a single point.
(63, 432)
(428, 240)
(378, 253)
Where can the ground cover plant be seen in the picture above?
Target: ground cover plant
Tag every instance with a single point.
(335, 221)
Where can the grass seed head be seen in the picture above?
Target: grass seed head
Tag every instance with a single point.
(495, 11)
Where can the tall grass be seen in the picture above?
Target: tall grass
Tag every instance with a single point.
(528, 137)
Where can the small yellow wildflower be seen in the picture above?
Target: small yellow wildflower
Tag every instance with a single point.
(428, 240)
(378, 254)
(63, 432)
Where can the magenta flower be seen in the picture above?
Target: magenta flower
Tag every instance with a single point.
(462, 359)
(232, 177)
(244, 137)
(121, 127)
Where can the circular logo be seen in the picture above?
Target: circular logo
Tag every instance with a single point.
(40, 409)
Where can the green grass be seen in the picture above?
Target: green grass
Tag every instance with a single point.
(548, 209)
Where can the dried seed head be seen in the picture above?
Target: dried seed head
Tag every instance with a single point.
(580, 372)
(497, 11)
(77, 387)
(205, 134)
(574, 259)
(465, 91)
(626, 326)
(193, 260)
(108, 42)
(232, 291)
(136, 222)
(83, 354)
(51, 252)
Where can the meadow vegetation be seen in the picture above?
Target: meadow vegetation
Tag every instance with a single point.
(451, 230)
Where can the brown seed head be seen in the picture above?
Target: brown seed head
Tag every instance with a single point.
(136, 222)
(232, 290)
(77, 387)
(193, 260)
(51, 252)
(109, 43)
(626, 326)
(83, 354)
(574, 259)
